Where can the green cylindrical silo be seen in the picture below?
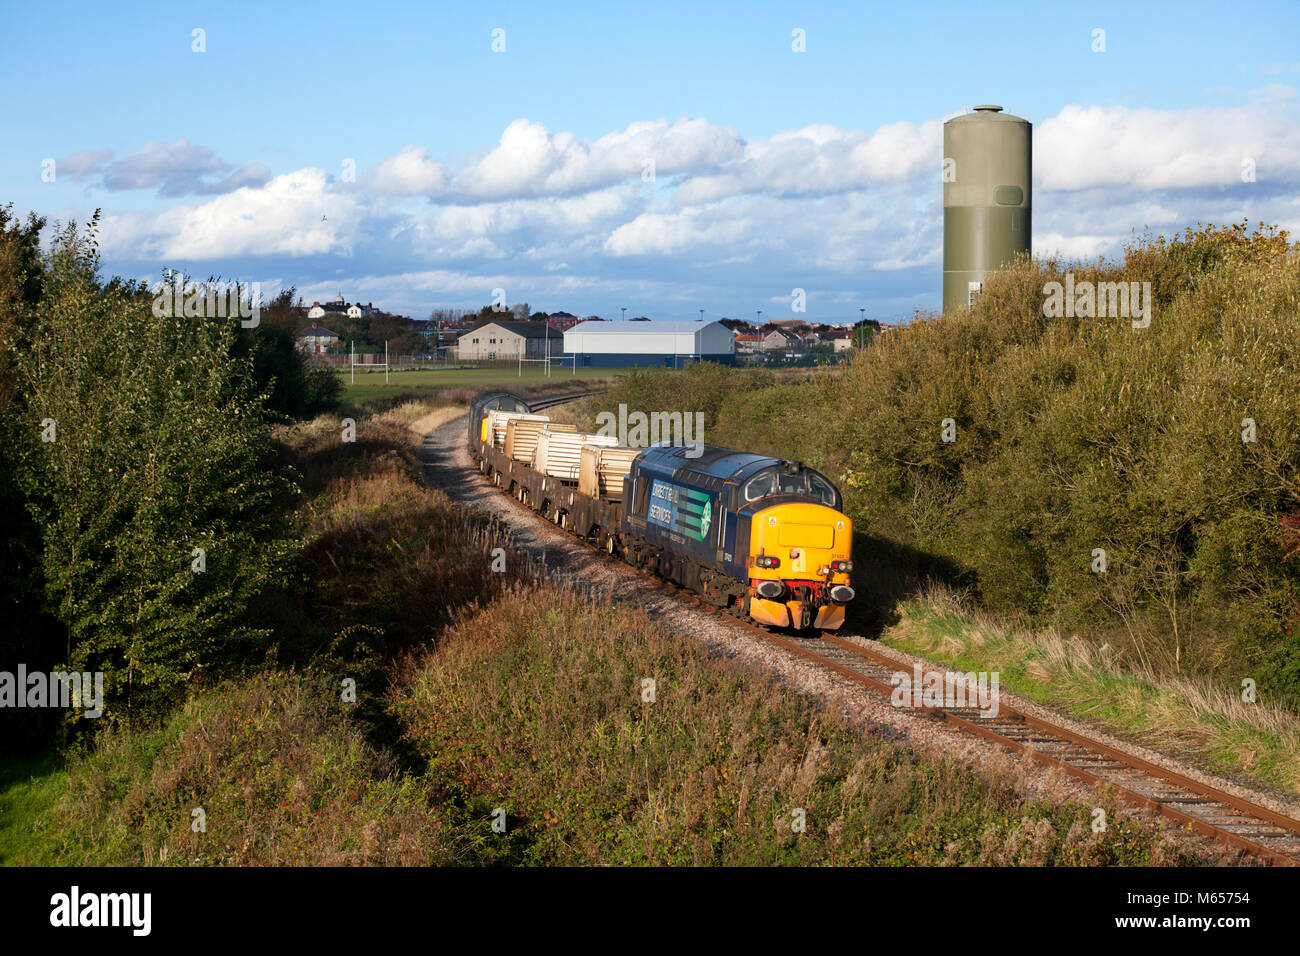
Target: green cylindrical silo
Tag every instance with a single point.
(988, 161)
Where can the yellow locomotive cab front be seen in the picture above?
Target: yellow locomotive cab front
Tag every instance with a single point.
(799, 563)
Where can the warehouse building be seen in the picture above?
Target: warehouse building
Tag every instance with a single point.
(646, 344)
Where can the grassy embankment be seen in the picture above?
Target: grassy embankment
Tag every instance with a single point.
(479, 691)
(1184, 716)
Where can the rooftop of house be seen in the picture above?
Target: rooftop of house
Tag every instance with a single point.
(529, 330)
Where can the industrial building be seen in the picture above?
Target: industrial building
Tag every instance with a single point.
(650, 343)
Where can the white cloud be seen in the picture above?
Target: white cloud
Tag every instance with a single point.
(1075, 246)
(410, 173)
(824, 159)
(529, 161)
(1115, 146)
(291, 215)
(178, 169)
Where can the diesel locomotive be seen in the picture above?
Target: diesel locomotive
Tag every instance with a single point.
(764, 538)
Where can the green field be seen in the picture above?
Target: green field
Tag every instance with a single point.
(371, 385)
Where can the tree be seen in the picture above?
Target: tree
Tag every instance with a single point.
(398, 332)
(286, 311)
(864, 332)
(20, 287)
(27, 634)
(152, 486)
(443, 317)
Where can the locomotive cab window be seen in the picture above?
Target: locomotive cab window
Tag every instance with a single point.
(787, 480)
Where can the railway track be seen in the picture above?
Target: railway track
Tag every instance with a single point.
(1270, 836)
(1205, 809)
(537, 404)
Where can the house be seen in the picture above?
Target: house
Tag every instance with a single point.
(749, 342)
(776, 340)
(840, 339)
(316, 340)
(354, 310)
(562, 321)
(641, 344)
(509, 340)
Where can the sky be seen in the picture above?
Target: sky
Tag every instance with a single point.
(663, 158)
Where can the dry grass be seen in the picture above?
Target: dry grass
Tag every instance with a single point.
(1185, 716)
(389, 561)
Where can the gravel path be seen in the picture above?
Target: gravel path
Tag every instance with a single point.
(447, 467)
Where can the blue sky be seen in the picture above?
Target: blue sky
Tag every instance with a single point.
(524, 169)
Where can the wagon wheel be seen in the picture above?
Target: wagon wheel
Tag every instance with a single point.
(741, 607)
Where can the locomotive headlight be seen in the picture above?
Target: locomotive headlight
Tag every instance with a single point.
(844, 567)
(767, 561)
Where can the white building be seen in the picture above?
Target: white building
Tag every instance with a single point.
(353, 310)
(509, 340)
(645, 344)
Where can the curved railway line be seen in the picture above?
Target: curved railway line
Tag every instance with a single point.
(1272, 837)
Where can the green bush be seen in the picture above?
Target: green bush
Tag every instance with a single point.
(1087, 433)
(160, 447)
